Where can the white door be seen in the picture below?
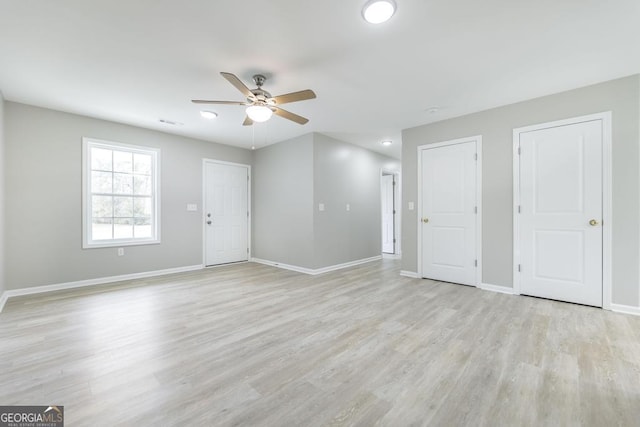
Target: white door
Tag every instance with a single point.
(448, 212)
(226, 213)
(560, 220)
(388, 214)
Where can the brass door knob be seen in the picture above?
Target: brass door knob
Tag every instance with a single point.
(425, 220)
(593, 223)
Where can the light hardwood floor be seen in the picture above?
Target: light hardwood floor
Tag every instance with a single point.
(252, 345)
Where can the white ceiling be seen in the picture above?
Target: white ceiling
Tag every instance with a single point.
(140, 61)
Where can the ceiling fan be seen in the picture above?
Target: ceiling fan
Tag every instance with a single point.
(260, 104)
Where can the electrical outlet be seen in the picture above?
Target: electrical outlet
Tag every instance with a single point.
(120, 251)
(348, 207)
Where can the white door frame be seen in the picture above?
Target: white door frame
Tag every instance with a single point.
(204, 214)
(397, 206)
(477, 139)
(606, 197)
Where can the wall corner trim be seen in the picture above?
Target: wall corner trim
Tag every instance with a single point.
(625, 309)
(497, 288)
(410, 274)
(316, 271)
(92, 282)
(3, 300)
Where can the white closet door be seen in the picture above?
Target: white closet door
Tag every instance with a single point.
(561, 212)
(449, 213)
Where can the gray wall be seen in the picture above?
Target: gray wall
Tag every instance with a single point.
(347, 174)
(621, 96)
(291, 178)
(43, 198)
(2, 173)
(282, 202)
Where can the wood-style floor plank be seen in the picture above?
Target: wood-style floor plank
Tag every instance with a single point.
(251, 345)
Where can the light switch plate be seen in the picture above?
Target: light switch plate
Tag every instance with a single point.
(348, 207)
(410, 206)
(321, 207)
(192, 207)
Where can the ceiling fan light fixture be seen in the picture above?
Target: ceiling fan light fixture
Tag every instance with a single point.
(387, 142)
(259, 113)
(378, 11)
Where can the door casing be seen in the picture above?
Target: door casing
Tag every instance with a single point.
(477, 139)
(606, 197)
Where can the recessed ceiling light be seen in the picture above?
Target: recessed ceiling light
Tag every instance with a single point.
(387, 142)
(208, 114)
(378, 11)
(432, 110)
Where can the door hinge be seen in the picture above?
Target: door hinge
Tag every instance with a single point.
(475, 209)
(476, 263)
(394, 240)
(247, 250)
(519, 268)
(519, 208)
(394, 211)
(475, 156)
(247, 214)
(519, 152)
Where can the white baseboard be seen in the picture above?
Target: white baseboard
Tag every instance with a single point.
(316, 271)
(626, 309)
(411, 274)
(496, 288)
(92, 282)
(391, 256)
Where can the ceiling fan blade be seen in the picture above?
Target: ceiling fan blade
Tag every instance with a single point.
(204, 101)
(290, 116)
(247, 121)
(238, 84)
(294, 96)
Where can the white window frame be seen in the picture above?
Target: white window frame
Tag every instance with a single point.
(87, 241)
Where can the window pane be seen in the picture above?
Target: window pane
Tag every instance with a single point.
(123, 161)
(122, 228)
(101, 207)
(142, 207)
(142, 227)
(142, 164)
(101, 229)
(101, 182)
(123, 207)
(122, 183)
(101, 159)
(142, 185)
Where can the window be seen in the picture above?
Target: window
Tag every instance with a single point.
(121, 194)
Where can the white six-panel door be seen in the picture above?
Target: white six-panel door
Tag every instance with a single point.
(226, 213)
(449, 212)
(560, 212)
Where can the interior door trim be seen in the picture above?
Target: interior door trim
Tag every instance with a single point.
(203, 201)
(607, 228)
(477, 139)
